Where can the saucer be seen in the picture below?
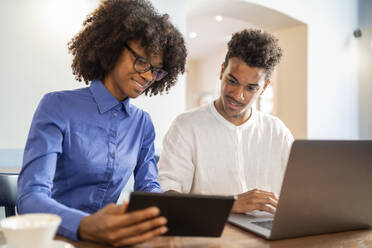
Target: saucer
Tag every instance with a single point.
(55, 244)
(61, 244)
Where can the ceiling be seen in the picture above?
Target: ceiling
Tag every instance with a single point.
(210, 34)
(237, 15)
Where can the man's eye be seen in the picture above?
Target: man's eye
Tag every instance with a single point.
(252, 89)
(233, 82)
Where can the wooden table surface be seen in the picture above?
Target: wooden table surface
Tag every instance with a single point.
(234, 237)
(14, 169)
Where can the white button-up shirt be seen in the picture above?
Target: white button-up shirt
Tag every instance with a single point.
(203, 153)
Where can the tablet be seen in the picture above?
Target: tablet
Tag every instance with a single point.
(187, 214)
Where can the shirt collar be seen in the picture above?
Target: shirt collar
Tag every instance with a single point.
(105, 100)
(127, 106)
(227, 123)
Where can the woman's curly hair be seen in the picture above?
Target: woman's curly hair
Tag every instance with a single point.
(256, 48)
(97, 47)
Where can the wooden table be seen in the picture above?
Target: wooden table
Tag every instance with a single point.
(14, 169)
(234, 237)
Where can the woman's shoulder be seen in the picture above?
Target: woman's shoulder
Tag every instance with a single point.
(67, 95)
(66, 100)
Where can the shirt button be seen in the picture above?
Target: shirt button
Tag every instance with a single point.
(112, 155)
(113, 134)
(115, 114)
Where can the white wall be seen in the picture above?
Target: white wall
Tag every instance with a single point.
(192, 81)
(35, 60)
(204, 76)
(365, 69)
(332, 65)
(290, 85)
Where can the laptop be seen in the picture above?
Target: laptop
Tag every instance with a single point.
(187, 214)
(327, 187)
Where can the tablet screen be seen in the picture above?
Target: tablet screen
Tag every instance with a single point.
(187, 214)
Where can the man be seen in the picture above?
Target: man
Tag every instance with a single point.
(84, 144)
(227, 147)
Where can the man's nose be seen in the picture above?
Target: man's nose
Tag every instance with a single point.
(238, 94)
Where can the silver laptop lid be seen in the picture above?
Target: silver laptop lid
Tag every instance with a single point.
(327, 188)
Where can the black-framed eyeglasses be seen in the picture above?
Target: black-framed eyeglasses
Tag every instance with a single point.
(141, 65)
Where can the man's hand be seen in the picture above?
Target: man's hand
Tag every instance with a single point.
(255, 200)
(112, 225)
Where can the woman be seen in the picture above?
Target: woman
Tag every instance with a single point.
(84, 144)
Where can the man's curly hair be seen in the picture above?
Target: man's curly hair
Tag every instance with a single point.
(97, 47)
(256, 48)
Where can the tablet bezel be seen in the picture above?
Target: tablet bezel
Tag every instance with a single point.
(187, 214)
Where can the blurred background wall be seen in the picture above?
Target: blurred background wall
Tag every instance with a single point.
(365, 68)
(321, 89)
(35, 61)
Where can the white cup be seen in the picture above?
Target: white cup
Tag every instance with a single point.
(30, 230)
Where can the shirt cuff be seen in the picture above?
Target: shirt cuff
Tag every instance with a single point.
(171, 185)
(156, 190)
(70, 224)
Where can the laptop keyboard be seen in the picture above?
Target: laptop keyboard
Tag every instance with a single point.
(265, 224)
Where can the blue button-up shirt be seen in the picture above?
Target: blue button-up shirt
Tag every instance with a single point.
(82, 147)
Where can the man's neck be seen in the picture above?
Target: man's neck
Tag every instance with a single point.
(235, 120)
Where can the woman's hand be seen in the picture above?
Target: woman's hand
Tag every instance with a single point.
(112, 225)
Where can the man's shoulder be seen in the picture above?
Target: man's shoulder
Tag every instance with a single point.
(268, 121)
(194, 115)
(267, 118)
